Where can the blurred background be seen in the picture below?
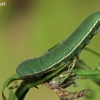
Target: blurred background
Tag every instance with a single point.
(29, 27)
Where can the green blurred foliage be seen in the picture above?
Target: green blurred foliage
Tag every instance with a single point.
(28, 29)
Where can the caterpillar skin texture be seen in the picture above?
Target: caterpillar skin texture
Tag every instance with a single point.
(64, 52)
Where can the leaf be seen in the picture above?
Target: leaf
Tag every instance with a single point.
(84, 72)
(7, 82)
(12, 95)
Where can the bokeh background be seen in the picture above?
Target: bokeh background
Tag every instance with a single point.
(29, 27)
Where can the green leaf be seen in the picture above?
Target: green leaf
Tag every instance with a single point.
(85, 72)
(12, 95)
(7, 82)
